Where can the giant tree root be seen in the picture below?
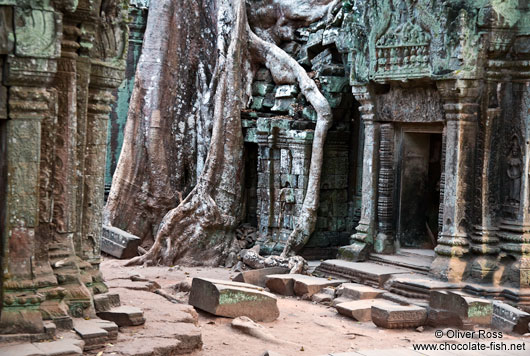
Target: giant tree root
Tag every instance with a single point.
(295, 264)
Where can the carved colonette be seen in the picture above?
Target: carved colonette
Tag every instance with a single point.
(67, 58)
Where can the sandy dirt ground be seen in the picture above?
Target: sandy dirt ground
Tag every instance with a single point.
(303, 328)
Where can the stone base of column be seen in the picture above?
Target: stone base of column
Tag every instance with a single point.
(516, 244)
(451, 268)
(20, 313)
(356, 252)
(485, 267)
(384, 243)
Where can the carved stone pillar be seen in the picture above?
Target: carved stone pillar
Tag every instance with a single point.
(106, 74)
(24, 272)
(384, 242)
(484, 237)
(363, 239)
(461, 107)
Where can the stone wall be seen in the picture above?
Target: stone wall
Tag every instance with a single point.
(61, 62)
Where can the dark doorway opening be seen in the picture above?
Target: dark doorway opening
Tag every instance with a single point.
(251, 183)
(420, 189)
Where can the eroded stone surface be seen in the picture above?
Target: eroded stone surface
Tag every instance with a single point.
(395, 316)
(258, 276)
(360, 310)
(507, 318)
(119, 243)
(233, 299)
(357, 291)
(298, 284)
(124, 316)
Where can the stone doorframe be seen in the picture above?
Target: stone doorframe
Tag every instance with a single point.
(375, 229)
(388, 189)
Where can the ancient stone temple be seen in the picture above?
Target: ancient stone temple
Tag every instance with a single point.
(60, 63)
(429, 146)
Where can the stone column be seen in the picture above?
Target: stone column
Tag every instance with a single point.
(484, 237)
(363, 239)
(461, 107)
(384, 241)
(29, 103)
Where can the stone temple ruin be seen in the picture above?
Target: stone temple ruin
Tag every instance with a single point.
(426, 165)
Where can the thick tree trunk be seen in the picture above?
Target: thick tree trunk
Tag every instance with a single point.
(169, 122)
(198, 231)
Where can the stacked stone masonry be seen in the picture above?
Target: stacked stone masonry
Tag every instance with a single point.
(61, 62)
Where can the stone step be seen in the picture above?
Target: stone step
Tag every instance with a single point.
(106, 301)
(367, 273)
(300, 285)
(95, 332)
(123, 316)
(395, 316)
(65, 347)
(357, 291)
(233, 299)
(360, 310)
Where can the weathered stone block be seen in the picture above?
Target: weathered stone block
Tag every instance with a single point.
(334, 84)
(119, 243)
(257, 103)
(233, 299)
(357, 291)
(395, 316)
(123, 316)
(282, 104)
(263, 74)
(469, 310)
(298, 284)
(510, 319)
(286, 91)
(360, 310)
(329, 36)
(258, 277)
(261, 88)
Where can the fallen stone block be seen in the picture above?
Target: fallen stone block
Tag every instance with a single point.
(469, 310)
(299, 284)
(357, 291)
(322, 298)
(258, 276)
(249, 327)
(339, 300)
(119, 243)
(395, 316)
(510, 319)
(106, 301)
(280, 284)
(95, 332)
(233, 299)
(360, 310)
(308, 285)
(123, 316)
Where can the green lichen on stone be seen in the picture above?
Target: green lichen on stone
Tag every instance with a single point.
(480, 310)
(234, 297)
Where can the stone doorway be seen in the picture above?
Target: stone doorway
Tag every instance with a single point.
(419, 171)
